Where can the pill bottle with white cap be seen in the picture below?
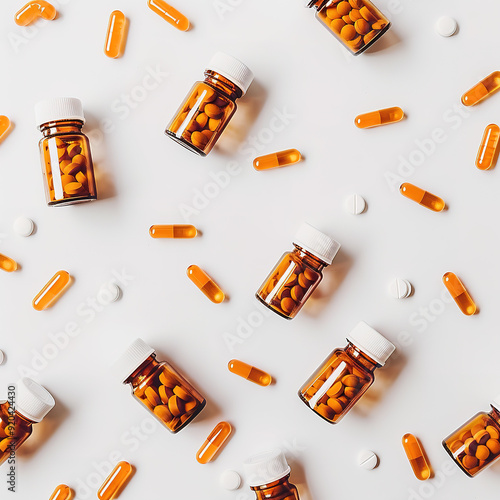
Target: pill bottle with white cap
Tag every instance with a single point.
(476, 445)
(207, 109)
(268, 476)
(338, 384)
(357, 24)
(159, 386)
(298, 273)
(67, 166)
(27, 404)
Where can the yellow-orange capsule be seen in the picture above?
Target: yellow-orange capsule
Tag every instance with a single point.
(173, 231)
(214, 442)
(482, 90)
(459, 293)
(424, 198)
(416, 456)
(206, 284)
(488, 151)
(115, 482)
(171, 15)
(4, 127)
(7, 264)
(51, 292)
(249, 372)
(116, 35)
(33, 10)
(379, 117)
(276, 160)
(62, 492)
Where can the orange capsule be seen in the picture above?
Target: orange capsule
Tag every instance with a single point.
(33, 10)
(4, 127)
(171, 15)
(275, 160)
(416, 456)
(7, 264)
(459, 293)
(488, 151)
(62, 492)
(115, 482)
(214, 442)
(482, 90)
(380, 117)
(116, 35)
(206, 284)
(424, 198)
(173, 231)
(249, 372)
(51, 292)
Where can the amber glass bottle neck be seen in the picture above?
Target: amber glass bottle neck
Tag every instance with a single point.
(262, 490)
(319, 4)
(495, 414)
(361, 357)
(223, 84)
(143, 371)
(61, 127)
(4, 407)
(309, 258)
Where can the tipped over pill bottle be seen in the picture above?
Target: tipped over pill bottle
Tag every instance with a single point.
(210, 104)
(357, 24)
(476, 445)
(268, 476)
(27, 404)
(159, 387)
(67, 166)
(338, 384)
(298, 273)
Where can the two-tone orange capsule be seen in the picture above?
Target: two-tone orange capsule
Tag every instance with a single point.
(379, 117)
(116, 35)
(173, 231)
(459, 293)
(62, 492)
(4, 127)
(416, 457)
(34, 10)
(277, 160)
(422, 197)
(485, 88)
(214, 442)
(488, 150)
(171, 15)
(249, 372)
(206, 284)
(115, 482)
(7, 264)
(52, 291)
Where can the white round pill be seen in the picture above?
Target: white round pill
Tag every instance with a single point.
(355, 204)
(115, 292)
(230, 480)
(2, 357)
(446, 26)
(24, 226)
(400, 289)
(367, 459)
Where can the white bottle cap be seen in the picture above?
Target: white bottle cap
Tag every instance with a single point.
(60, 108)
(371, 342)
(496, 402)
(317, 243)
(266, 467)
(232, 69)
(32, 400)
(132, 358)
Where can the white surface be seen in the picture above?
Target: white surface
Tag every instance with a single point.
(355, 204)
(367, 459)
(428, 388)
(446, 26)
(23, 226)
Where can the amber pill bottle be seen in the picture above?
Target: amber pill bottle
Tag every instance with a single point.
(30, 405)
(338, 384)
(476, 444)
(159, 387)
(268, 476)
(210, 105)
(298, 273)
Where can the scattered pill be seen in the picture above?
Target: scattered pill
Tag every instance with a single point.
(173, 231)
(7, 264)
(51, 292)
(171, 15)
(230, 480)
(249, 372)
(2, 357)
(4, 127)
(400, 288)
(459, 293)
(206, 284)
(422, 197)
(62, 492)
(112, 292)
(276, 160)
(116, 35)
(24, 226)
(355, 204)
(115, 481)
(482, 90)
(367, 459)
(488, 150)
(416, 457)
(379, 117)
(214, 442)
(446, 26)
(33, 10)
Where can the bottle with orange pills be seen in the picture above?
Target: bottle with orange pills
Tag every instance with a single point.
(65, 152)
(210, 104)
(27, 404)
(298, 273)
(159, 387)
(338, 384)
(357, 24)
(476, 444)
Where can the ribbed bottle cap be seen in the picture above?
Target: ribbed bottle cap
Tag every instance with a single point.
(232, 69)
(32, 400)
(371, 342)
(496, 402)
(132, 358)
(60, 108)
(317, 243)
(266, 467)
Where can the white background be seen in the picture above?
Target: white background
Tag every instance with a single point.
(447, 368)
